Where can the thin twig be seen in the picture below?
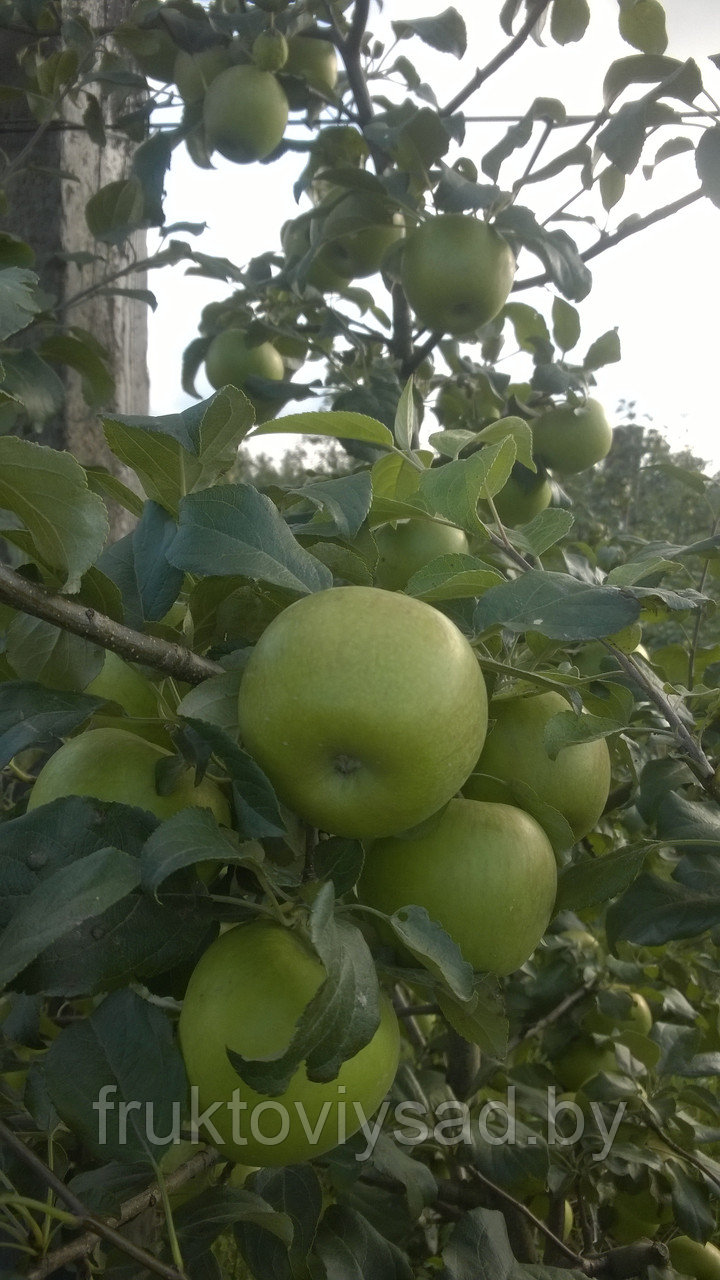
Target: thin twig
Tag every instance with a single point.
(164, 655)
(84, 1216)
(462, 1195)
(483, 74)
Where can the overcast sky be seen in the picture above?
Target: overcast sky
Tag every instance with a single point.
(661, 288)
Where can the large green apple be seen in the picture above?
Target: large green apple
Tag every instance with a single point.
(245, 112)
(246, 994)
(121, 683)
(633, 1014)
(576, 783)
(407, 546)
(357, 232)
(457, 272)
(366, 709)
(486, 872)
(114, 765)
(570, 439)
(523, 496)
(583, 1059)
(230, 359)
(314, 60)
(694, 1259)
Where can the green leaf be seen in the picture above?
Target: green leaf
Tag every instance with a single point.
(454, 490)
(234, 529)
(350, 1248)
(690, 1201)
(642, 24)
(124, 1052)
(342, 1016)
(18, 300)
(544, 530)
(256, 802)
(429, 942)
(346, 499)
(452, 577)
(612, 186)
(338, 425)
(707, 163)
(556, 250)
(106, 485)
(296, 1192)
(480, 1020)
(31, 714)
(642, 69)
(138, 564)
(655, 911)
(521, 433)
(214, 700)
(566, 324)
(605, 350)
(60, 903)
(406, 419)
(478, 1248)
(567, 728)
(48, 491)
(585, 884)
(82, 353)
(32, 382)
(190, 837)
(569, 20)
(446, 32)
(556, 605)
(60, 660)
(115, 211)
(205, 1217)
(679, 819)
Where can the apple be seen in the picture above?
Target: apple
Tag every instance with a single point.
(114, 765)
(230, 359)
(523, 496)
(246, 994)
(540, 1206)
(357, 232)
(407, 546)
(457, 272)
(314, 60)
(270, 50)
(635, 1014)
(572, 439)
(193, 72)
(576, 783)
(245, 113)
(296, 240)
(365, 708)
(485, 872)
(119, 682)
(695, 1259)
(582, 1060)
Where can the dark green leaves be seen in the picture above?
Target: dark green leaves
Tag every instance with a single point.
(557, 606)
(18, 300)
(124, 1053)
(351, 1249)
(31, 714)
(707, 162)
(235, 530)
(427, 940)
(446, 32)
(655, 911)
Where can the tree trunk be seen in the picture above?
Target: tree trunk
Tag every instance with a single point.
(47, 209)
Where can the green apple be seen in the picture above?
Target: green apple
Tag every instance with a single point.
(457, 272)
(485, 872)
(407, 546)
(245, 113)
(270, 50)
(576, 783)
(230, 359)
(357, 232)
(296, 240)
(694, 1259)
(571, 439)
(540, 1206)
(114, 765)
(119, 682)
(633, 1013)
(246, 994)
(582, 1060)
(314, 60)
(193, 72)
(365, 708)
(523, 496)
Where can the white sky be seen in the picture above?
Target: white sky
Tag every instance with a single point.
(661, 288)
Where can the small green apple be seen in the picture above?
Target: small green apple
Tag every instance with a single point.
(231, 360)
(572, 439)
(119, 682)
(633, 1013)
(270, 50)
(357, 232)
(457, 272)
(576, 783)
(116, 766)
(485, 872)
(694, 1259)
(364, 707)
(524, 496)
(313, 60)
(409, 545)
(246, 994)
(245, 113)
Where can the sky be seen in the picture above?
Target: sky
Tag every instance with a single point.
(660, 288)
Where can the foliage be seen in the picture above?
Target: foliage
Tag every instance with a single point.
(105, 909)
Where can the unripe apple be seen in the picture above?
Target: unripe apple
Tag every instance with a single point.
(313, 60)
(193, 72)
(524, 496)
(572, 439)
(695, 1259)
(457, 272)
(230, 360)
(583, 1059)
(409, 545)
(635, 1015)
(245, 113)
(357, 232)
(270, 50)
(121, 683)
